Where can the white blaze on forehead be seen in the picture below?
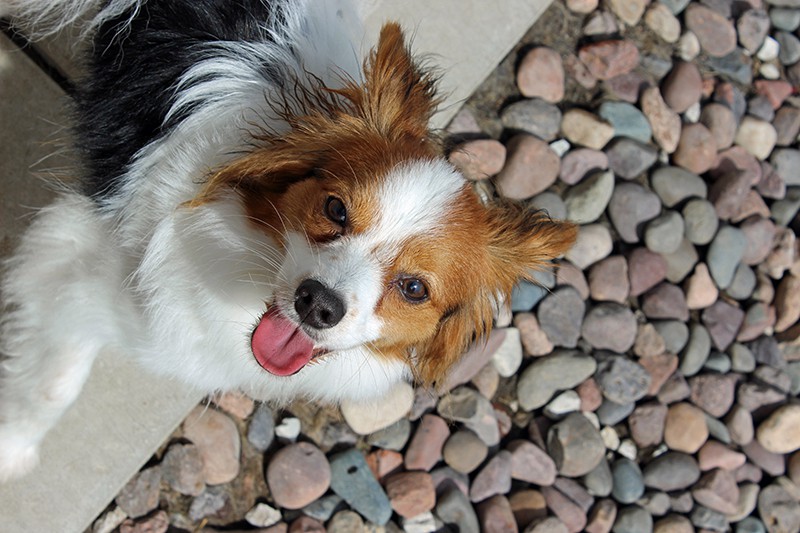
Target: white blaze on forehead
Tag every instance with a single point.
(414, 199)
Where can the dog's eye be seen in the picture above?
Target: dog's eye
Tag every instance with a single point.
(336, 211)
(413, 289)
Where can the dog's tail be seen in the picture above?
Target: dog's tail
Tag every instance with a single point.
(40, 18)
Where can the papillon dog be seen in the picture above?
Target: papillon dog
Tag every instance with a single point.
(261, 208)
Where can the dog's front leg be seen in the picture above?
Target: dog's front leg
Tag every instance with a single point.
(60, 292)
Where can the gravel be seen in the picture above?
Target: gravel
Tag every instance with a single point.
(648, 384)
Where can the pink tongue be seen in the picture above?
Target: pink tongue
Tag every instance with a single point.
(279, 346)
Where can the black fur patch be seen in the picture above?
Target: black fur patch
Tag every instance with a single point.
(133, 70)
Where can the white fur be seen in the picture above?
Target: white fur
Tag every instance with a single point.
(181, 289)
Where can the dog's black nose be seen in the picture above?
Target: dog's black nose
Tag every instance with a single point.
(317, 305)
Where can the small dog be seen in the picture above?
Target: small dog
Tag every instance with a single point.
(260, 211)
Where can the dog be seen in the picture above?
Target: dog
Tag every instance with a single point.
(261, 209)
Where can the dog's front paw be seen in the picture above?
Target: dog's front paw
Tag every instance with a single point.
(17, 457)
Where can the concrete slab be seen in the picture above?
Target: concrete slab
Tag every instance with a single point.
(33, 140)
(464, 39)
(124, 414)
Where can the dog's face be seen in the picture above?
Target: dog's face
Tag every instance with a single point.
(383, 244)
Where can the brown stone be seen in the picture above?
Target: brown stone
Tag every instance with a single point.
(665, 122)
(697, 149)
(685, 428)
(411, 493)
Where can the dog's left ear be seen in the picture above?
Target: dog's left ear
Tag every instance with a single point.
(397, 96)
(521, 241)
(511, 243)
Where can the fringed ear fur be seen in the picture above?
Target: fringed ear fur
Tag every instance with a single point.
(397, 96)
(516, 242)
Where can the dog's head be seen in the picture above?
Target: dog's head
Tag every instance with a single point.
(384, 246)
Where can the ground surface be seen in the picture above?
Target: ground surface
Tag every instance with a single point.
(650, 384)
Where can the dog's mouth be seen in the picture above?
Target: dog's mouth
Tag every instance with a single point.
(280, 346)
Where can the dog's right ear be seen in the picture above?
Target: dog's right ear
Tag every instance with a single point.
(397, 96)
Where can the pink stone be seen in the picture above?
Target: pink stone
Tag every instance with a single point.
(682, 87)
(714, 454)
(606, 59)
(579, 162)
(608, 280)
(541, 74)
(479, 159)
(425, 448)
(716, 33)
(701, 291)
(646, 269)
(532, 166)
(217, 439)
(297, 475)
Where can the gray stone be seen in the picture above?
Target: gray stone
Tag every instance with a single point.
(696, 352)
(140, 495)
(632, 519)
(674, 185)
(467, 406)
(743, 283)
(675, 334)
(676, 6)
(664, 234)
(551, 203)
(454, 508)
(784, 18)
(610, 326)
(750, 524)
(631, 205)
(526, 295)
(182, 468)
(599, 482)
(534, 116)
(261, 430)
(700, 221)
(611, 414)
(724, 254)
(628, 158)
(681, 262)
(587, 200)
(779, 509)
(671, 471)
(323, 508)
(622, 380)
(736, 65)
(786, 162)
(628, 481)
(627, 120)
(790, 47)
(393, 437)
(353, 481)
(560, 316)
(753, 27)
(718, 362)
(575, 445)
(705, 518)
(742, 359)
(564, 369)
